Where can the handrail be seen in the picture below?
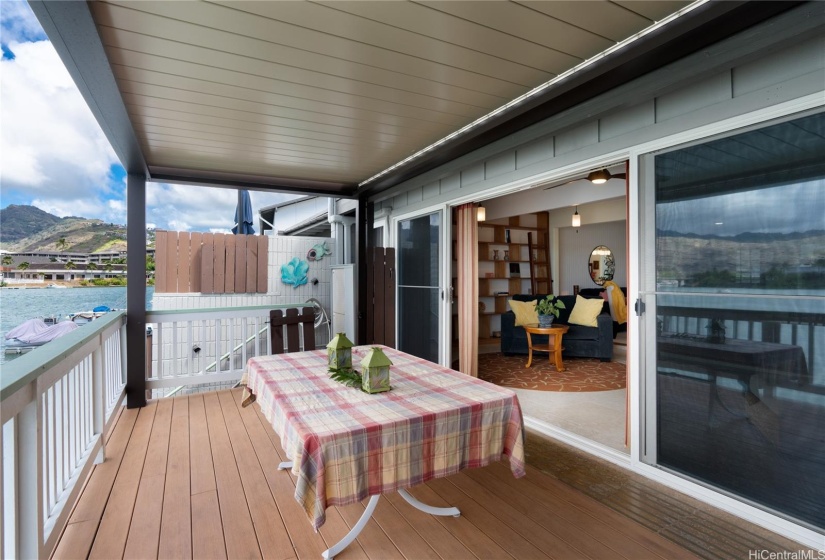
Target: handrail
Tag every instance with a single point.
(224, 310)
(58, 402)
(20, 372)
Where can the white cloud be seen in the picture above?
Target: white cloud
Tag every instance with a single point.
(189, 208)
(19, 23)
(50, 144)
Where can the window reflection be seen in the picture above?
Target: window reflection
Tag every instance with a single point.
(740, 348)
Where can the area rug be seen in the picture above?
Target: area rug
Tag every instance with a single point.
(579, 375)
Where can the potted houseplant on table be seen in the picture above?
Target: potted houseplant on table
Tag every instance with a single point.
(548, 309)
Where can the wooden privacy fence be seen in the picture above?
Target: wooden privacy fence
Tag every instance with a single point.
(210, 263)
(381, 296)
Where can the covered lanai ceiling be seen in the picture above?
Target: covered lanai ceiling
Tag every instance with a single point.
(321, 96)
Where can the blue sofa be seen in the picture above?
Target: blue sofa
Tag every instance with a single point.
(579, 342)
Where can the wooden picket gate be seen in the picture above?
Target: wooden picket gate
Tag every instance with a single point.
(210, 263)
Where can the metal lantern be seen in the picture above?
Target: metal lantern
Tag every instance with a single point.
(375, 372)
(339, 352)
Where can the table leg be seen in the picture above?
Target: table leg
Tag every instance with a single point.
(557, 352)
(338, 547)
(529, 350)
(432, 510)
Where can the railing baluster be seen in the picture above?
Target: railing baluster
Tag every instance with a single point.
(189, 368)
(231, 344)
(99, 401)
(218, 345)
(160, 330)
(175, 350)
(28, 441)
(244, 358)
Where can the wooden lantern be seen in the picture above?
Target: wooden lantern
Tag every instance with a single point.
(375, 372)
(339, 352)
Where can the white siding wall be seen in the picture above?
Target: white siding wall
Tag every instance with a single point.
(281, 251)
(692, 99)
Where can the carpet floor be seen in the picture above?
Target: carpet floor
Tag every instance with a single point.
(579, 375)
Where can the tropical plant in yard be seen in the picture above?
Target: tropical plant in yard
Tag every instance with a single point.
(70, 265)
(7, 260)
(62, 244)
(24, 265)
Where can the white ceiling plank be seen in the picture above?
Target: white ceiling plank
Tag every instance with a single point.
(519, 21)
(654, 11)
(601, 17)
(413, 55)
(408, 20)
(256, 71)
(362, 94)
(363, 120)
(337, 23)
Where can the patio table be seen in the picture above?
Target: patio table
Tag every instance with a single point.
(345, 445)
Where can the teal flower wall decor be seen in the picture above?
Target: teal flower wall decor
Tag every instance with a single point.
(318, 252)
(294, 273)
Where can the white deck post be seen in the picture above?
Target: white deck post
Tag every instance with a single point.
(99, 397)
(29, 476)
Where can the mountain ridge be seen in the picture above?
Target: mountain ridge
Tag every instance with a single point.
(25, 228)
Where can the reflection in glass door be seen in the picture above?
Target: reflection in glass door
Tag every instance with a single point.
(419, 291)
(736, 359)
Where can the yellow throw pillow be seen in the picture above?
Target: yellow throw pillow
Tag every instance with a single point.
(585, 312)
(525, 312)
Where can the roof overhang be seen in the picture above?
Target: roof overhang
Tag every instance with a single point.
(126, 60)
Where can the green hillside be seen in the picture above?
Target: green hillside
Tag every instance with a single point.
(26, 228)
(18, 222)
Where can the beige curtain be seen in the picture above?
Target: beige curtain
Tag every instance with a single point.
(467, 288)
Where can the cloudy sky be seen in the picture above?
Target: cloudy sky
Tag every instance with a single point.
(53, 154)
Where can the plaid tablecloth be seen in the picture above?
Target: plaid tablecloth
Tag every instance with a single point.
(346, 444)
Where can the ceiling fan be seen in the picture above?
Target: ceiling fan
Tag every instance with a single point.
(602, 176)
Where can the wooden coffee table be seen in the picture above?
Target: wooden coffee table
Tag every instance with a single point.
(553, 347)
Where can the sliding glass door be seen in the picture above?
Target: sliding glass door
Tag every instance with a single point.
(420, 294)
(735, 320)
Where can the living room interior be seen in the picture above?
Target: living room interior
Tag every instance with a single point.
(528, 248)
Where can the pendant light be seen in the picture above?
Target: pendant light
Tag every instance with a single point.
(577, 219)
(481, 213)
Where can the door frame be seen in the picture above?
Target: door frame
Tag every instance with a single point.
(641, 213)
(444, 273)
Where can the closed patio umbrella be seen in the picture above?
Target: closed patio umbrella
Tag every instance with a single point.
(243, 215)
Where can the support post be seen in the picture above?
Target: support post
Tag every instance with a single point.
(136, 292)
(363, 227)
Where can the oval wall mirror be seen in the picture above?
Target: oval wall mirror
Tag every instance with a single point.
(601, 265)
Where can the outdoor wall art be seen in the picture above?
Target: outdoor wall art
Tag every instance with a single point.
(294, 273)
(318, 252)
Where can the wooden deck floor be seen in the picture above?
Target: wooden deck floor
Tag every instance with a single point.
(195, 477)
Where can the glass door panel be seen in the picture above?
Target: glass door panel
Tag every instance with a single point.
(419, 290)
(737, 370)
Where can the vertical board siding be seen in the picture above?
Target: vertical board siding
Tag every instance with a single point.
(240, 264)
(263, 264)
(211, 263)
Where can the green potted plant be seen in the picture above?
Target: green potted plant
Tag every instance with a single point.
(548, 309)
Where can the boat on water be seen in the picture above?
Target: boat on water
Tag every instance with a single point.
(34, 333)
(83, 317)
(56, 286)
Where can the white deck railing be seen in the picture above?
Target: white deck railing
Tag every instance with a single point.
(198, 346)
(57, 403)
